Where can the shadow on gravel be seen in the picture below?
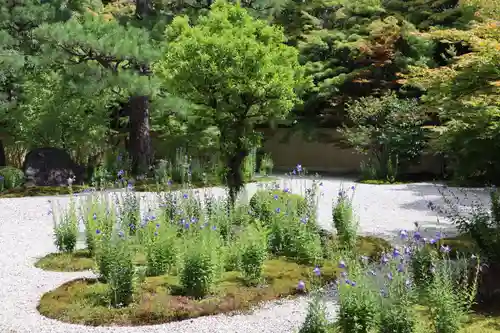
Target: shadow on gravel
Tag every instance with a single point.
(436, 198)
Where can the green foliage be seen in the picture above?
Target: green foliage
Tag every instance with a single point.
(120, 275)
(66, 230)
(162, 249)
(344, 221)
(267, 203)
(428, 13)
(11, 178)
(253, 253)
(237, 71)
(389, 131)
(201, 265)
(464, 95)
(315, 321)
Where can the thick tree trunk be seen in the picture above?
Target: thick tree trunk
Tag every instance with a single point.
(3, 160)
(140, 148)
(143, 8)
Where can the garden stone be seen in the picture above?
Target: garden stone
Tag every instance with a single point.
(51, 167)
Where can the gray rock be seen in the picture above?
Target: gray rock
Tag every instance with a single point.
(51, 167)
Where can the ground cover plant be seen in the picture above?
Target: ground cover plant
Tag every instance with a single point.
(197, 255)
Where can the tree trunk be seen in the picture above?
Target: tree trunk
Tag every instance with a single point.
(140, 148)
(3, 160)
(143, 8)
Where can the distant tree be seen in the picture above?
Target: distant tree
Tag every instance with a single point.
(465, 96)
(238, 71)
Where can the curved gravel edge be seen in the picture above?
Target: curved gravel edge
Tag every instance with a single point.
(26, 234)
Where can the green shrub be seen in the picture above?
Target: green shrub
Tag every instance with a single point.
(253, 253)
(65, 228)
(344, 221)
(315, 321)
(162, 249)
(267, 203)
(120, 275)
(12, 177)
(201, 264)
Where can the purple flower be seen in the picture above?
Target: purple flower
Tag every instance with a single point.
(353, 283)
(299, 168)
(286, 190)
(278, 210)
(301, 285)
(401, 268)
(445, 248)
(194, 220)
(98, 232)
(317, 271)
(276, 197)
(432, 241)
(304, 220)
(157, 225)
(121, 234)
(416, 235)
(407, 250)
(120, 173)
(214, 227)
(384, 259)
(156, 233)
(383, 293)
(395, 253)
(186, 225)
(389, 276)
(94, 216)
(169, 182)
(342, 264)
(130, 186)
(185, 196)
(403, 234)
(343, 274)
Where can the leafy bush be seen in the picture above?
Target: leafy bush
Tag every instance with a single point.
(253, 253)
(120, 274)
(315, 321)
(12, 178)
(65, 228)
(267, 203)
(201, 264)
(388, 130)
(344, 220)
(162, 249)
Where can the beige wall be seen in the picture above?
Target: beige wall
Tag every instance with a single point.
(324, 156)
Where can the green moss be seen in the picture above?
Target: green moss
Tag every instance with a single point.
(147, 186)
(378, 182)
(158, 300)
(36, 191)
(66, 262)
(84, 301)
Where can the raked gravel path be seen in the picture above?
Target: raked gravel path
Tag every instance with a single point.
(26, 234)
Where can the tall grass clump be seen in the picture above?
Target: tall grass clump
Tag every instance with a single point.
(130, 211)
(119, 269)
(316, 321)
(344, 221)
(254, 245)
(358, 300)
(201, 263)
(96, 216)
(65, 228)
(161, 248)
(451, 293)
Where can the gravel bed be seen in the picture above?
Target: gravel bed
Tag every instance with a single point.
(26, 234)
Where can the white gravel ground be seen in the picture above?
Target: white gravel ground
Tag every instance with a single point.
(26, 234)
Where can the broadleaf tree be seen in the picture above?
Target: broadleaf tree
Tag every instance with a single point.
(239, 72)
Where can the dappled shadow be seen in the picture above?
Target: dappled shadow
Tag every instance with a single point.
(443, 201)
